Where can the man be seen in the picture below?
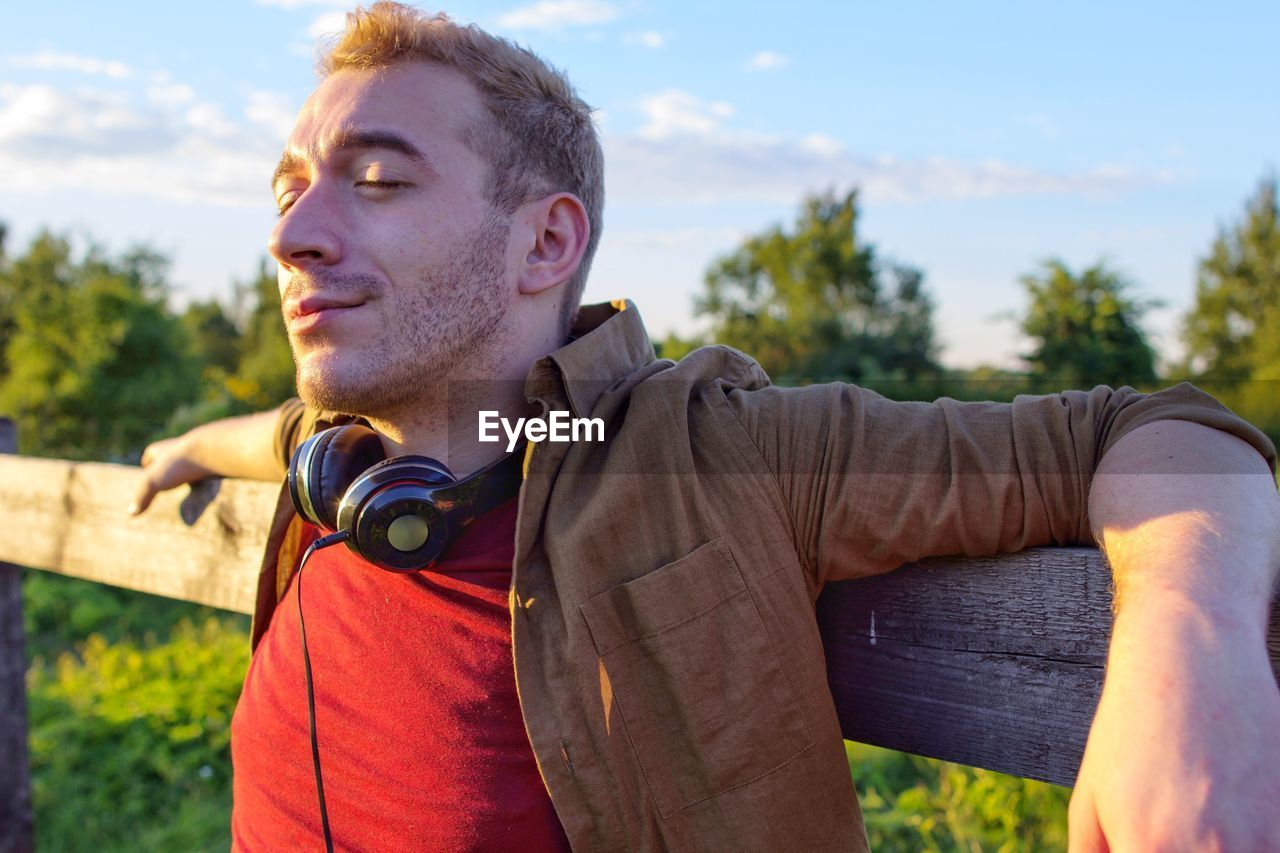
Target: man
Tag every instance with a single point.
(440, 202)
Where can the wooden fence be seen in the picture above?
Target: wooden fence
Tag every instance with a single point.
(992, 662)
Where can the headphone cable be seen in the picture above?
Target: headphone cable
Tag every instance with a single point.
(322, 542)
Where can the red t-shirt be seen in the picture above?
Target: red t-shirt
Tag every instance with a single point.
(422, 745)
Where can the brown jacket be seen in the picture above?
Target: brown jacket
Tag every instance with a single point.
(669, 667)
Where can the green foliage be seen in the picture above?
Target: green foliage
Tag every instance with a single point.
(1233, 330)
(816, 303)
(265, 375)
(914, 803)
(95, 363)
(1086, 329)
(130, 742)
(245, 371)
(215, 340)
(992, 383)
(97, 650)
(60, 612)
(675, 347)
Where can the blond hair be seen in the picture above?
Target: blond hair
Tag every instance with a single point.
(540, 139)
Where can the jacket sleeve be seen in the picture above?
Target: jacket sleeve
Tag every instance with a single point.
(290, 429)
(872, 483)
(296, 422)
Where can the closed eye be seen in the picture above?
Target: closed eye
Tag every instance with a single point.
(285, 201)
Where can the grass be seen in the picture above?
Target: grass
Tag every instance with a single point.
(911, 803)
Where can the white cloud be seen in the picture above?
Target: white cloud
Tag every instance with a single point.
(53, 60)
(328, 24)
(39, 121)
(674, 113)
(165, 141)
(688, 152)
(209, 118)
(767, 60)
(170, 146)
(557, 14)
(649, 38)
(272, 111)
(821, 145)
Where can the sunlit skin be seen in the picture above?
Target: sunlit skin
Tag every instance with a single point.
(400, 282)
(1184, 752)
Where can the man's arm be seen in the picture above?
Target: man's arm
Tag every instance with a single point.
(1177, 490)
(872, 483)
(1184, 752)
(244, 447)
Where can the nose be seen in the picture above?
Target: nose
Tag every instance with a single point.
(307, 234)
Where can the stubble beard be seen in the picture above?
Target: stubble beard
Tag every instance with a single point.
(454, 322)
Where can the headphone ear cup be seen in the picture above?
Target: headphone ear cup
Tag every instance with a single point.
(391, 514)
(325, 465)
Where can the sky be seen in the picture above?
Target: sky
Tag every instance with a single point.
(984, 138)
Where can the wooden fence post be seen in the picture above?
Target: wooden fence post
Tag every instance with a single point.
(15, 782)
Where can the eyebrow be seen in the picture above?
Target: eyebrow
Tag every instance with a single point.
(351, 139)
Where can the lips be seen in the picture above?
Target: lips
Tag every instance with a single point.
(314, 304)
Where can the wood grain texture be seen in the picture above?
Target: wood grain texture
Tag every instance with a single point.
(200, 544)
(994, 662)
(15, 779)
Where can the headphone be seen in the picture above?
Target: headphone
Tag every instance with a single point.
(401, 513)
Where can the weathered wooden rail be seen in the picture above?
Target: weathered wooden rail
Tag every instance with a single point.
(992, 662)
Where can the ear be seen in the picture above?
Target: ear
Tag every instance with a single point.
(557, 234)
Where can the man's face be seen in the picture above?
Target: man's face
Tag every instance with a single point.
(393, 265)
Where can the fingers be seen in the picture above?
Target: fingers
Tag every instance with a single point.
(143, 498)
(150, 485)
(164, 467)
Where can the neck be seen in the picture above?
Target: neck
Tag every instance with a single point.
(445, 426)
(442, 421)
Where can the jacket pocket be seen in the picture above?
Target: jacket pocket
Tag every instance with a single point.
(696, 679)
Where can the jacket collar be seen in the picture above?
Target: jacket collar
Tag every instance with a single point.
(607, 342)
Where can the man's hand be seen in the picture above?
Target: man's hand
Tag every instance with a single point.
(167, 464)
(1184, 752)
(242, 447)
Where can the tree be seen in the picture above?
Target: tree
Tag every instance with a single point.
(95, 362)
(216, 343)
(1233, 330)
(817, 303)
(1086, 329)
(265, 375)
(215, 340)
(248, 363)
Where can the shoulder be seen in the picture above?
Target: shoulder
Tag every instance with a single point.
(716, 363)
(296, 422)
